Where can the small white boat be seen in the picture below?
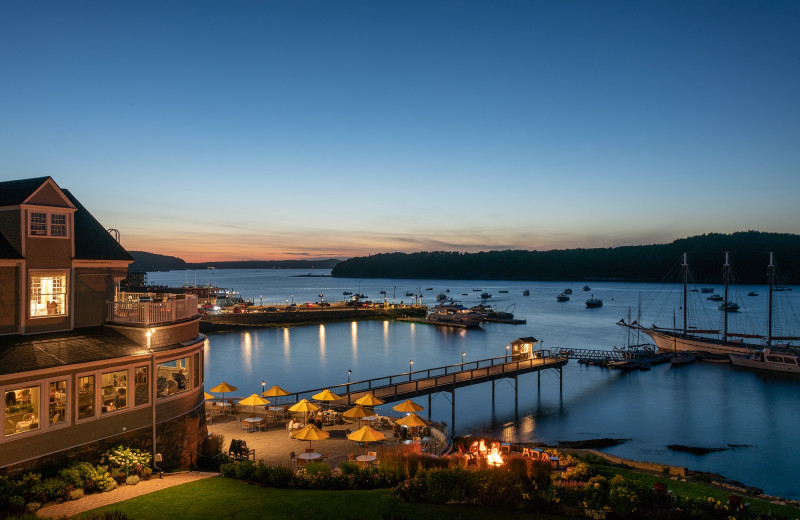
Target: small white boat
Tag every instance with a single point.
(769, 359)
(682, 358)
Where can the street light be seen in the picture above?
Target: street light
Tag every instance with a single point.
(261, 300)
(263, 386)
(462, 358)
(410, 364)
(507, 349)
(348, 376)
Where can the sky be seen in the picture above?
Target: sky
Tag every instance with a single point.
(261, 130)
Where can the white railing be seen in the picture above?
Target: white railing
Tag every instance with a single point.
(125, 310)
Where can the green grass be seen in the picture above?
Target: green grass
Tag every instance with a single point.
(221, 498)
(695, 489)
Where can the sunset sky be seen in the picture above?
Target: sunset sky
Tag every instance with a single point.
(234, 130)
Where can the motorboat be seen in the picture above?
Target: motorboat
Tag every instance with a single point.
(729, 307)
(594, 302)
(451, 313)
(562, 297)
(769, 359)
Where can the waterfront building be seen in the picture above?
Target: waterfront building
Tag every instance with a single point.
(83, 365)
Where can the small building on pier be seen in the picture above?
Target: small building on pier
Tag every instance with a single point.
(522, 348)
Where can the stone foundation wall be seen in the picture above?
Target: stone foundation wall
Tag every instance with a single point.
(177, 440)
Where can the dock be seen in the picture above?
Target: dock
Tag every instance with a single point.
(407, 385)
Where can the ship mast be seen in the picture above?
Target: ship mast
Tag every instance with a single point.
(725, 270)
(685, 281)
(771, 270)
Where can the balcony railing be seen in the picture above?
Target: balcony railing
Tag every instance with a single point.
(145, 310)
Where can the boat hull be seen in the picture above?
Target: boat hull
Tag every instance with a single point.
(670, 342)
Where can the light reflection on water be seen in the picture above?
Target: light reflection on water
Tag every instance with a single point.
(710, 405)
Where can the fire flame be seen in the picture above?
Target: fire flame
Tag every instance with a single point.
(479, 449)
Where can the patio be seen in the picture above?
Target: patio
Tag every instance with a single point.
(274, 445)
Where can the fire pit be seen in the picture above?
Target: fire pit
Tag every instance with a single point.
(480, 451)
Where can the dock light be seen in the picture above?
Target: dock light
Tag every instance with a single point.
(348, 376)
(263, 386)
(260, 300)
(410, 364)
(462, 357)
(507, 349)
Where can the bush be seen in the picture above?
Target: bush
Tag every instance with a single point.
(412, 489)
(129, 461)
(32, 507)
(316, 468)
(449, 485)
(107, 515)
(132, 480)
(72, 476)
(498, 488)
(349, 468)
(75, 494)
(211, 456)
(49, 489)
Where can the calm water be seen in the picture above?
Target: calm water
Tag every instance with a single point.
(703, 404)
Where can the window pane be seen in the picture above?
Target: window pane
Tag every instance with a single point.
(142, 386)
(85, 397)
(173, 377)
(115, 390)
(58, 225)
(22, 407)
(38, 223)
(48, 294)
(58, 402)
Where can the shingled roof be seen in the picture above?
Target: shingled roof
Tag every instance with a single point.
(14, 193)
(7, 251)
(40, 351)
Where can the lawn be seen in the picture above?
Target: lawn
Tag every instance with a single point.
(222, 498)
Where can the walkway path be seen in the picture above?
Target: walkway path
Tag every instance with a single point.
(88, 502)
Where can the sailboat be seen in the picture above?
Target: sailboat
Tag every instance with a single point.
(675, 340)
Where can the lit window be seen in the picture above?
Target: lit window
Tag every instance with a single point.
(85, 397)
(58, 402)
(141, 386)
(48, 294)
(22, 410)
(174, 377)
(115, 390)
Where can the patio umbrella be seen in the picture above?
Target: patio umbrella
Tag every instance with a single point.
(310, 433)
(207, 396)
(358, 412)
(275, 391)
(304, 406)
(411, 420)
(222, 388)
(326, 395)
(366, 434)
(254, 400)
(369, 400)
(407, 406)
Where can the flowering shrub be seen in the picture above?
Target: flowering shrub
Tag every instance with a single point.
(580, 471)
(411, 490)
(129, 461)
(132, 480)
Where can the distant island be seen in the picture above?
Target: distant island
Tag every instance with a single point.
(649, 263)
(149, 262)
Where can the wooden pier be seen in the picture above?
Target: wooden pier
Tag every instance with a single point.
(429, 381)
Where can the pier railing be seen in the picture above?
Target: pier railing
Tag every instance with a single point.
(399, 386)
(144, 310)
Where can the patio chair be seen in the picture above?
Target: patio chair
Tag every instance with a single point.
(351, 457)
(263, 425)
(506, 447)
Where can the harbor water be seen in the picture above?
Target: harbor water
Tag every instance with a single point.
(750, 416)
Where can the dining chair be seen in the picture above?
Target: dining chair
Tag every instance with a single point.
(372, 453)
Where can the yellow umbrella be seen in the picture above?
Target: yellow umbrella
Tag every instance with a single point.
(326, 395)
(369, 400)
(366, 434)
(407, 406)
(207, 396)
(275, 391)
(304, 406)
(310, 433)
(254, 400)
(411, 420)
(222, 388)
(357, 412)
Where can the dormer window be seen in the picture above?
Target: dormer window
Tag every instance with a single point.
(43, 224)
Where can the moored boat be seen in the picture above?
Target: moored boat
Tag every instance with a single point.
(453, 314)
(567, 291)
(562, 297)
(594, 302)
(769, 359)
(526, 292)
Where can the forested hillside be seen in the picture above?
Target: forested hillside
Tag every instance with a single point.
(651, 263)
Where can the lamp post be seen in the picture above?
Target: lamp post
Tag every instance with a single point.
(508, 347)
(410, 364)
(263, 386)
(260, 300)
(462, 360)
(348, 376)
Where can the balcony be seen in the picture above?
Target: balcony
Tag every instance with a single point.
(148, 309)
